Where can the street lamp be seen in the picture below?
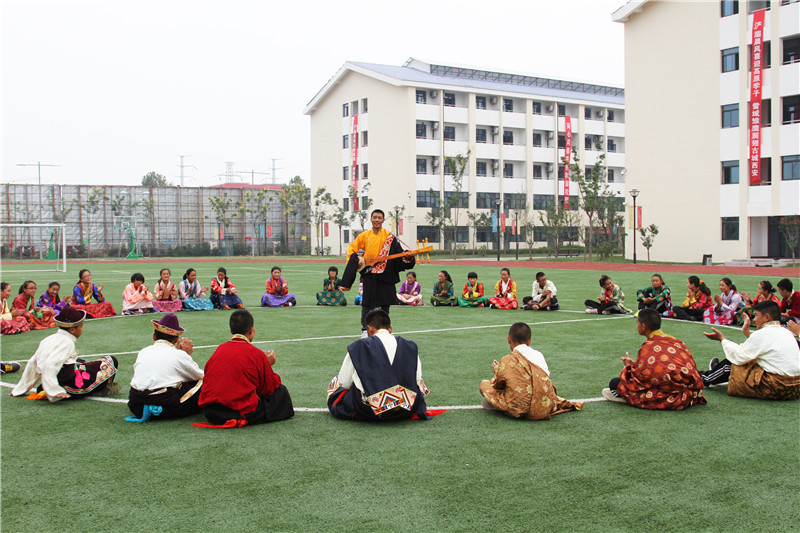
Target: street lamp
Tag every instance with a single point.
(497, 203)
(634, 194)
(396, 220)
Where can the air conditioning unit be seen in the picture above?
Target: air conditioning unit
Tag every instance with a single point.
(495, 165)
(435, 162)
(433, 93)
(550, 135)
(549, 168)
(495, 130)
(435, 126)
(493, 100)
(600, 114)
(549, 109)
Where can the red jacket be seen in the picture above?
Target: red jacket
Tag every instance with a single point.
(235, 375)
(794, 308)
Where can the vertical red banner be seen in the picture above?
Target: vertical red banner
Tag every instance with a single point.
(400, 227)
(502, 222)
(221, 233)
(639, 217)
(269, 230)
(755, 97)
(354, 152)
(514, 227)
(567, 153)
(326, 229)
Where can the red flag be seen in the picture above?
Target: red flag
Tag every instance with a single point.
(502, 222)
(269, 230)
(326, 229)
(567, 152)
(354, 152)
(755, 97)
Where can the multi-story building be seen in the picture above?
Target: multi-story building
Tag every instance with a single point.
(391, 127)
(688, 85)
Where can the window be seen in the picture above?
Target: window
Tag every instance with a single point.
(486, 200)
(729, 7)
(355, 172)
(562, 110)
(428, 232)
(537, 139)
(364, 105)
(421, 96)
(560, 172)
(730, 59)
(508, 170)
(766, 170)
(508, 137)
(730, 228)
(345, 173)
(791, 50)
(422, 132)
(757, 5)
(730, 172)
(508, 105)
(480, 102)
(364, 202)
(463, 198)
(514, 200)
(462, 234)
(610, 175)
(354, 105)
(449, 133)
(542, 201)
(790, 167)
(364, 138)
(791, 109)
(427, 199)
(537, 108)
(537, 171)
(347, 235)
(450, 99)
(422, 166)
(480, 135)
(587, 142)
(730, 116)
(345, 141)
(365, 171)
(562, 141)
(766, 52)
(573, 202)
(346, 204)
(345, 110)
(480, 168)
(612, 146)
(587, 113)
(610, 114)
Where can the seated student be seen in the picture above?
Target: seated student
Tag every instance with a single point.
(381, 377)
(611, 299)
(698, 299)
(37, 317)
(56, 364)
(12, 321)
(521, 385)
(166, 380)
(136, 297)
(166, 294)
(83, 293)
(330, 294)
(472, 295)
(543, 297)
(192, 294)
(764, 293)
(790, 303)
(664, 375)
(505, 292)
(360, 295)
(728, 305)
(224, 294)
(765, 366)
(277, 294)
(656, 296)
(410, 290)
(51, 298)
(240, 386)
(443, 291)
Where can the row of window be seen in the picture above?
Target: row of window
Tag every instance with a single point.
(485, 234)
(364, 135)
(790, 112)
(731, 7)
(363, 175)
(482, 170)
(790, 54)
(491, 200)
(351, 109)
(790, 170)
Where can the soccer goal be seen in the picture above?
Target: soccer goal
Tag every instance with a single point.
(34, 247)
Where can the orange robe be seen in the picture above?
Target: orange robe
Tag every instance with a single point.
(43, 319)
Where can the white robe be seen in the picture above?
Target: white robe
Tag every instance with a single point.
(52, 354)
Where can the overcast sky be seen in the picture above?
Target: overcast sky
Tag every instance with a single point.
(110, 90)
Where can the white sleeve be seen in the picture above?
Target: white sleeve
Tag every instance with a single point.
(188, 368)
(740, 354)
(552, 287)
(51, 365)
(346, 373)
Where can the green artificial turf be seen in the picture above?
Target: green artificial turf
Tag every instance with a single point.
(731, 465)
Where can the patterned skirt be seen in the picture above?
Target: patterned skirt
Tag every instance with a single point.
(726, 318)
(221, 300)
(97, 310)
(15, 325)
(85, 377)
(443, 300)
(477, 301)
(270, 300)
(168, 306)
(331, 298)
(198, 304)
(46, 321)
(504, 303)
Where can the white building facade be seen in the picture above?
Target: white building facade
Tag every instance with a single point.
(688, 86)
(409, 118)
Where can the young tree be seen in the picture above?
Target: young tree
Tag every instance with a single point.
(93, 204)
(121, 206)
(478, 221)
(437, 216)
(648, 236)
(254, 208)
(610, 222)
(456, 166)
(591, 189)
(152, 179)
(364, 206)
(554, 221)
(790, 228)
(318, 214)
(293, 198)
(341, 218)
(220, 205)
(146, 212)
(527, 222)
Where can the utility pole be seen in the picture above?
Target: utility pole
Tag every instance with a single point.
(274, 168)
(182, 166)
(39, 166)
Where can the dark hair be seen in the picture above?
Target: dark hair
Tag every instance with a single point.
(520, 332)
(506, 269)
(55, 284)
(650, 318)
(603, 280)
(276, 267)
(188, 271)
(222, 269)
(3, 285)
(378, 319)
(80, 273)
(241, 321)
(729, 283)
(377, 211)
(769, 308)
(697, 282)
(785, 284)
(767, 286)
(162, 271)
(412, 273)
(658, 276)
(25, 285)
(472, 275)
(137, 277)
(161, 336)
(539, 275)
(333, 269)
(446, 276)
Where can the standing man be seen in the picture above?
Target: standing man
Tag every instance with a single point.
(380, 279)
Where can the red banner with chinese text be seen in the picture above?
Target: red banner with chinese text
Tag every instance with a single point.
(502, 222)
(400, 227)
(354, 166)
(269, 231)
(326, 229)
(567, 153)
(756, 84)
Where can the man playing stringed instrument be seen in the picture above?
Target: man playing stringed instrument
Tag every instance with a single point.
(380, 277)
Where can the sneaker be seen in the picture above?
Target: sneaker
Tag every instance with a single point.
(591, 311)
(7, 368)
(554, 307)
(714, 362)
(609, 395)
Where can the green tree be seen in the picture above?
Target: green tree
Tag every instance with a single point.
(478, 221)
(341, 218)
(152, 179)
(555, 223)
(610, 222)
(254, 209)
(364, 206)
(648, 236)
(592, 188)
(93, 204)
(293, 198)
(121, 206)
(527, 222)
(220, 205)
(790, 228)
(318, 214)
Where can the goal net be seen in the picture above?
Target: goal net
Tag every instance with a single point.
(33, 247)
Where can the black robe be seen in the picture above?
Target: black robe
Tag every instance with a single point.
(379, 289)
